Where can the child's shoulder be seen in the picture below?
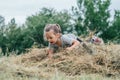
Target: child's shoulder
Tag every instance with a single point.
(68, 35)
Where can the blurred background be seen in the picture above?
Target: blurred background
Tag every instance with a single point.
(22, 22)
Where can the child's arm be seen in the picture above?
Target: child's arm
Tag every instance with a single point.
(50, 53)
(74, 44)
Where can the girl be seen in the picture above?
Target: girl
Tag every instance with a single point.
(52, 33)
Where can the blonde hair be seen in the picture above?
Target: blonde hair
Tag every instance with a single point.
(55, 27)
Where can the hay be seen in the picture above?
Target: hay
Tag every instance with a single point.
(105, 59)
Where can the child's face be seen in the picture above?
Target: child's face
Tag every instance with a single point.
(51, 36)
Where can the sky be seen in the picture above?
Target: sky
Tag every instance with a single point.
(21, 9)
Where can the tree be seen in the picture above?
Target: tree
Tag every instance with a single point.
(92, 15)
(113, 33)
(2, 35)
(15, 39)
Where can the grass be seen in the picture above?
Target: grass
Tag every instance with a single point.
(10, 76)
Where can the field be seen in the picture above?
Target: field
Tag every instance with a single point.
(79, 64)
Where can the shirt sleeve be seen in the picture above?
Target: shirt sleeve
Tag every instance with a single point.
(68, 39)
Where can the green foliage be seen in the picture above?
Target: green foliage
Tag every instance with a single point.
(92, 15)
(78, 19)
(113, 33)
(15, 39)
(37, 22)
(2, 36)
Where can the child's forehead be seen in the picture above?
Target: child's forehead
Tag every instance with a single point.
(51, 32)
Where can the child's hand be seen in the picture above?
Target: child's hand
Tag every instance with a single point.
(74, 44)
(50, 55)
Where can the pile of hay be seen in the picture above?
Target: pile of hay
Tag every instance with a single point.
(105, 59)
